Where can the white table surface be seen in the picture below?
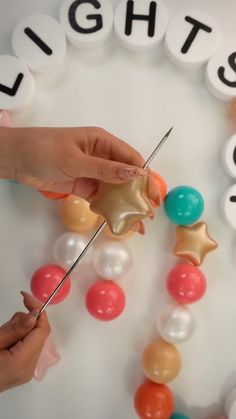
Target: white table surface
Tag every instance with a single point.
(137, 97)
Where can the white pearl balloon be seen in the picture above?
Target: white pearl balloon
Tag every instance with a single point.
(112, 259)
(175, 323)
(68, 247)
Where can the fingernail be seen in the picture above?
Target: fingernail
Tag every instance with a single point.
(128, 173)
(142, 230)
(156, 202)
(31, 318)
(24, 293)
(153, 203)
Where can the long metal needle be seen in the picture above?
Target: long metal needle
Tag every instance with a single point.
(156, 149)
(99, 230)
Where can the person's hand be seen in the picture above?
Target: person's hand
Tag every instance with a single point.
(71, 160)
(21, 342)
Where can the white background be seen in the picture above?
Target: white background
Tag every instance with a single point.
(137, 97)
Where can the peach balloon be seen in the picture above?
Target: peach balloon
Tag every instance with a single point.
(232, 111)
(161, 362)
(76, 214)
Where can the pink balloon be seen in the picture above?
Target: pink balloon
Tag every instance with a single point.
(5, 119)
(105, 300)
(48, 357)
(186, 284)
(45, 280)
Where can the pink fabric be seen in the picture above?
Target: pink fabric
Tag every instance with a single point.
(48, 357)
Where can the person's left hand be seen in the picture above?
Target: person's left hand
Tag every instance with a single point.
(21, 342)
(72, 160)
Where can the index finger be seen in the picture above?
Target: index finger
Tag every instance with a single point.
(106, 145)
(31, 303)
(33, 342)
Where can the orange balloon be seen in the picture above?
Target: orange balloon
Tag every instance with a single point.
(76, 214)
(160, 184)
(161, 362)
(232, 110)
(53, 195)
(154, 401)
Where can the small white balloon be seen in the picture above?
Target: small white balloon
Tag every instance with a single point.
(230, 404)
(112, 259)
(175, 323)
(68, 247)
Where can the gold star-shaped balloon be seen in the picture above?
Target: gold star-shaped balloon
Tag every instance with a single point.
(124, 204)
(194, 242)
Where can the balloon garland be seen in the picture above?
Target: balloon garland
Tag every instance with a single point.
(186, 284)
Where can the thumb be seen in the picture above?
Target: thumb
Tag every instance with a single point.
(17, 328)
(107, 170)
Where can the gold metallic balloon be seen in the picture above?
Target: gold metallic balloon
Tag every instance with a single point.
(161, 362)
(76, 214)
(122, 205)
(194, 242)
(107, 232)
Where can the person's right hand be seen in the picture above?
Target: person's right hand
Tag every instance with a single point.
(21, 342)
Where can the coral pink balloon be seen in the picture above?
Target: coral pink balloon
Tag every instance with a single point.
(186, 284)
(45, 280)
(105, 300)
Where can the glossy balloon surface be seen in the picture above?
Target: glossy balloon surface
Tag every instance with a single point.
(175, 323)
(186, 284)
(161, 362)
(76, 214)
(45, 280)
(153, 401)
(112, 259)
(105, 300)
(68, 247)
(184, 205)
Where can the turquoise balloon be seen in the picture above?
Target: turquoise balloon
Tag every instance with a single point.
(184, 205)
(13, 181)
(177, 415)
